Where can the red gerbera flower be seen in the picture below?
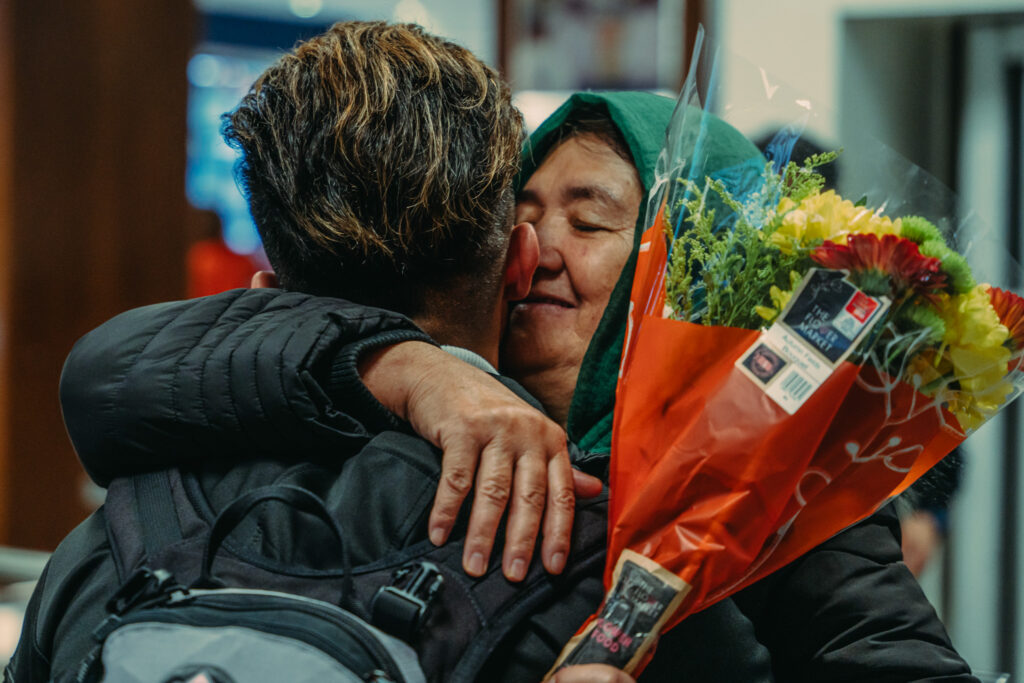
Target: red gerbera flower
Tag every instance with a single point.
(1010, 309)
(883, 265)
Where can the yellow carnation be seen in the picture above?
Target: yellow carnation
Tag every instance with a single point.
(826, 216)
(974, 343)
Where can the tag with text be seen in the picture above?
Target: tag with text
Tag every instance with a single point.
(825, 320)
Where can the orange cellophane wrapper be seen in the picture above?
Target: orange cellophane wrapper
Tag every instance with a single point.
(715, 482)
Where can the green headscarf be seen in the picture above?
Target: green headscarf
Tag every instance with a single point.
(642, 119)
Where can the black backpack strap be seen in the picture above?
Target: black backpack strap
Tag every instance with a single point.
(296, 497)
(158, 519)
(475, 617)
(513, 615)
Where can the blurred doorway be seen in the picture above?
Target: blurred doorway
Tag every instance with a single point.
(946, 91)
(987, 557)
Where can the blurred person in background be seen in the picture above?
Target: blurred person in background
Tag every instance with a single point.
(924, 519)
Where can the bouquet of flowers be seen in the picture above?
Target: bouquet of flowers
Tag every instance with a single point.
(794, 359)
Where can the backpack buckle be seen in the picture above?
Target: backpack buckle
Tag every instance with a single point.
(402, 608)
(144, 585)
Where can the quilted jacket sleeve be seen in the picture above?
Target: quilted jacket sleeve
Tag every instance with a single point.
(246, 373)
(850, 610)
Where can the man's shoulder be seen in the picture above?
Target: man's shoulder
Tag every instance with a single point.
(84, 541)
(70, 598)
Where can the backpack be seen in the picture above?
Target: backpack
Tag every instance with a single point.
(411, 616)
(159, 631)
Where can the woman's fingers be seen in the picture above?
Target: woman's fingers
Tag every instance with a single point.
(458, 471)
(509, 454)
(586, 485)
(534, 485)
(490, 496)
(561, 505)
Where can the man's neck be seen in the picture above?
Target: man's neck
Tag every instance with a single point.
(481, 339)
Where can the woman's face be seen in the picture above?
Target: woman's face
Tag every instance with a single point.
(583, 202)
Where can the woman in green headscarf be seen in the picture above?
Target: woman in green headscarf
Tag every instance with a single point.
(586, 171)
(848, 610)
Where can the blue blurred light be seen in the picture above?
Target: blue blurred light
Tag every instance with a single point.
(204, 70)
(217, 83)
(305, 9)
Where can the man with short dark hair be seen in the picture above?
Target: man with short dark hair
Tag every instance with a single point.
(378, 161)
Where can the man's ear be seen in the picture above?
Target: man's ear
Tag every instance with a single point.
(263, 279)
(523, 256)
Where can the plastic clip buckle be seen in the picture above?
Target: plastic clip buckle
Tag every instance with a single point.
(143, 586)
(402, 608)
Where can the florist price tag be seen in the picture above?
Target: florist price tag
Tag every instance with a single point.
(824, 321)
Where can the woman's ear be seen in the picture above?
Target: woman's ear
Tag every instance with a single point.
(521, 262)
(263, 279)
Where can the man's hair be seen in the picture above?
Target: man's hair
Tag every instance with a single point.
(378, 161)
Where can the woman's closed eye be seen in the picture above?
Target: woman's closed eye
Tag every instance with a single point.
(588, 227)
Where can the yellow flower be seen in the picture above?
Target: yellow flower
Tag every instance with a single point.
(780, 298)
(974, 346)
(826, 216)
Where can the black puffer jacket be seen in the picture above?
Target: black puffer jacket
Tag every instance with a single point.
(216, 383)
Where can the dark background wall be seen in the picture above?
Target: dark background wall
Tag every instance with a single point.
(92, 203)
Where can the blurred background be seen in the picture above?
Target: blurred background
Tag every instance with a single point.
(117, 191)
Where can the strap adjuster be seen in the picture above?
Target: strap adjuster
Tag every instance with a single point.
(143, 586)
(402, 608)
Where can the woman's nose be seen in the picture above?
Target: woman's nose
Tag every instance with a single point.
(550, 246)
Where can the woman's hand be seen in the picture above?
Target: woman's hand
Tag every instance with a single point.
(591, 673)
(513, 453)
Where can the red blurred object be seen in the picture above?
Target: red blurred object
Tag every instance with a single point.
(212, 267)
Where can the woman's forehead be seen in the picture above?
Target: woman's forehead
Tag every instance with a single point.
(599, 143)
(583, 168)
